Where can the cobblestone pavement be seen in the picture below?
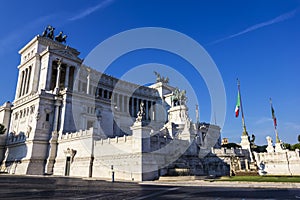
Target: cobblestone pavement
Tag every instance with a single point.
(40, 187)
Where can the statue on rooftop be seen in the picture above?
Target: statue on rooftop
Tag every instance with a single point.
(160, 78)
(49, 33)
(60, 37)
(45, 32)
(179, 97)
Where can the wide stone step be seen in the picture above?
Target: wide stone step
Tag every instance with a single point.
(246, 173)
(179, 172)
(181, 178)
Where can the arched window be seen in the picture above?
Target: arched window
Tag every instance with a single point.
(53, 75)
(21, 83)
(25, 81)
(16, 116)
(28, 81)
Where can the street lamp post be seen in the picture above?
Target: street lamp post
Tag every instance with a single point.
(112, 174)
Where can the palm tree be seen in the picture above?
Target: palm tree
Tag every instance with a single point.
(2, 129)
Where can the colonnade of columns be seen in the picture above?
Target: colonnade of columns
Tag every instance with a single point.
(24, 84)
(121, 102)
(125, 103)
(67, 81)
(132, 105)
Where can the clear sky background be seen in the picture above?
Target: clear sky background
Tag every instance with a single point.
(256, 41)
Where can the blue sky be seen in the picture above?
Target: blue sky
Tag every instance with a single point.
(256, 41)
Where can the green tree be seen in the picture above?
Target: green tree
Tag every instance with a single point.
(2, 129)
(287, 146)
(295, 146)
(299, 138)
(260, 149)
(231, 145)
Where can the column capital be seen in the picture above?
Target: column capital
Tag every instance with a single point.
(59, 61)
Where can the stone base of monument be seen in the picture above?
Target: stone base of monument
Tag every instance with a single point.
(179, 172)
(278, 147)
(181, 178)
(253, 166)
(246, 173)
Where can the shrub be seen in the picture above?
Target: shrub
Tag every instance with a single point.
(231, 145)
(295, 146)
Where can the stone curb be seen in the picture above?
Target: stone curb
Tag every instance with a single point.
(240, 184)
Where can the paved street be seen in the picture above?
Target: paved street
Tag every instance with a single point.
(37, 187)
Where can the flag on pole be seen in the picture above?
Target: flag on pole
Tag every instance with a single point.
(273, 116)
(238, 105)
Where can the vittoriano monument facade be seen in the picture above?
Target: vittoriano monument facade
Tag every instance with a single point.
(69, 119)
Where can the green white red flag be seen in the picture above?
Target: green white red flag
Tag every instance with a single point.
(273, 116)
(238, 105)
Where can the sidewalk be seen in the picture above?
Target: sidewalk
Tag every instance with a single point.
(213, 183)
(168, 182)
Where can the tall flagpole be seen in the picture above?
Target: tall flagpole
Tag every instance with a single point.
(245, 143)
(243, 118)
(275, 122)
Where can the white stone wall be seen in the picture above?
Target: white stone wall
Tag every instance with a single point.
(116, 152)
(24, 157)
(125, 156)
(119, 153)
(279, 163)
(81, 142)
(29, 133)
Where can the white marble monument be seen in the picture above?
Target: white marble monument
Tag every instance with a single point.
(69, 119)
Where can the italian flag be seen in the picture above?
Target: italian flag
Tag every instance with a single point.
(273, 116)
(238, 105)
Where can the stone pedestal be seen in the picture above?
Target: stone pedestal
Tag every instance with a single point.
(5, 115)
(270, 148)
(146, 167)
(52, 153)
(2, 146)
(141, 137)
(186, 133)
(177, 119)
(278, 147)
(178, 114)
(245, 144)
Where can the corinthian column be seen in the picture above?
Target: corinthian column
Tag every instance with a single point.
(58, 76)
(147, 110)
(88, 82)
(67, 77)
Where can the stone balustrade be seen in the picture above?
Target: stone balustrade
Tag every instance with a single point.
(228, 152)
(76, 135)
(13, 139)
(279, 163)
(115, 140)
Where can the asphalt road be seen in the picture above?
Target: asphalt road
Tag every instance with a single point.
(37, 187)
